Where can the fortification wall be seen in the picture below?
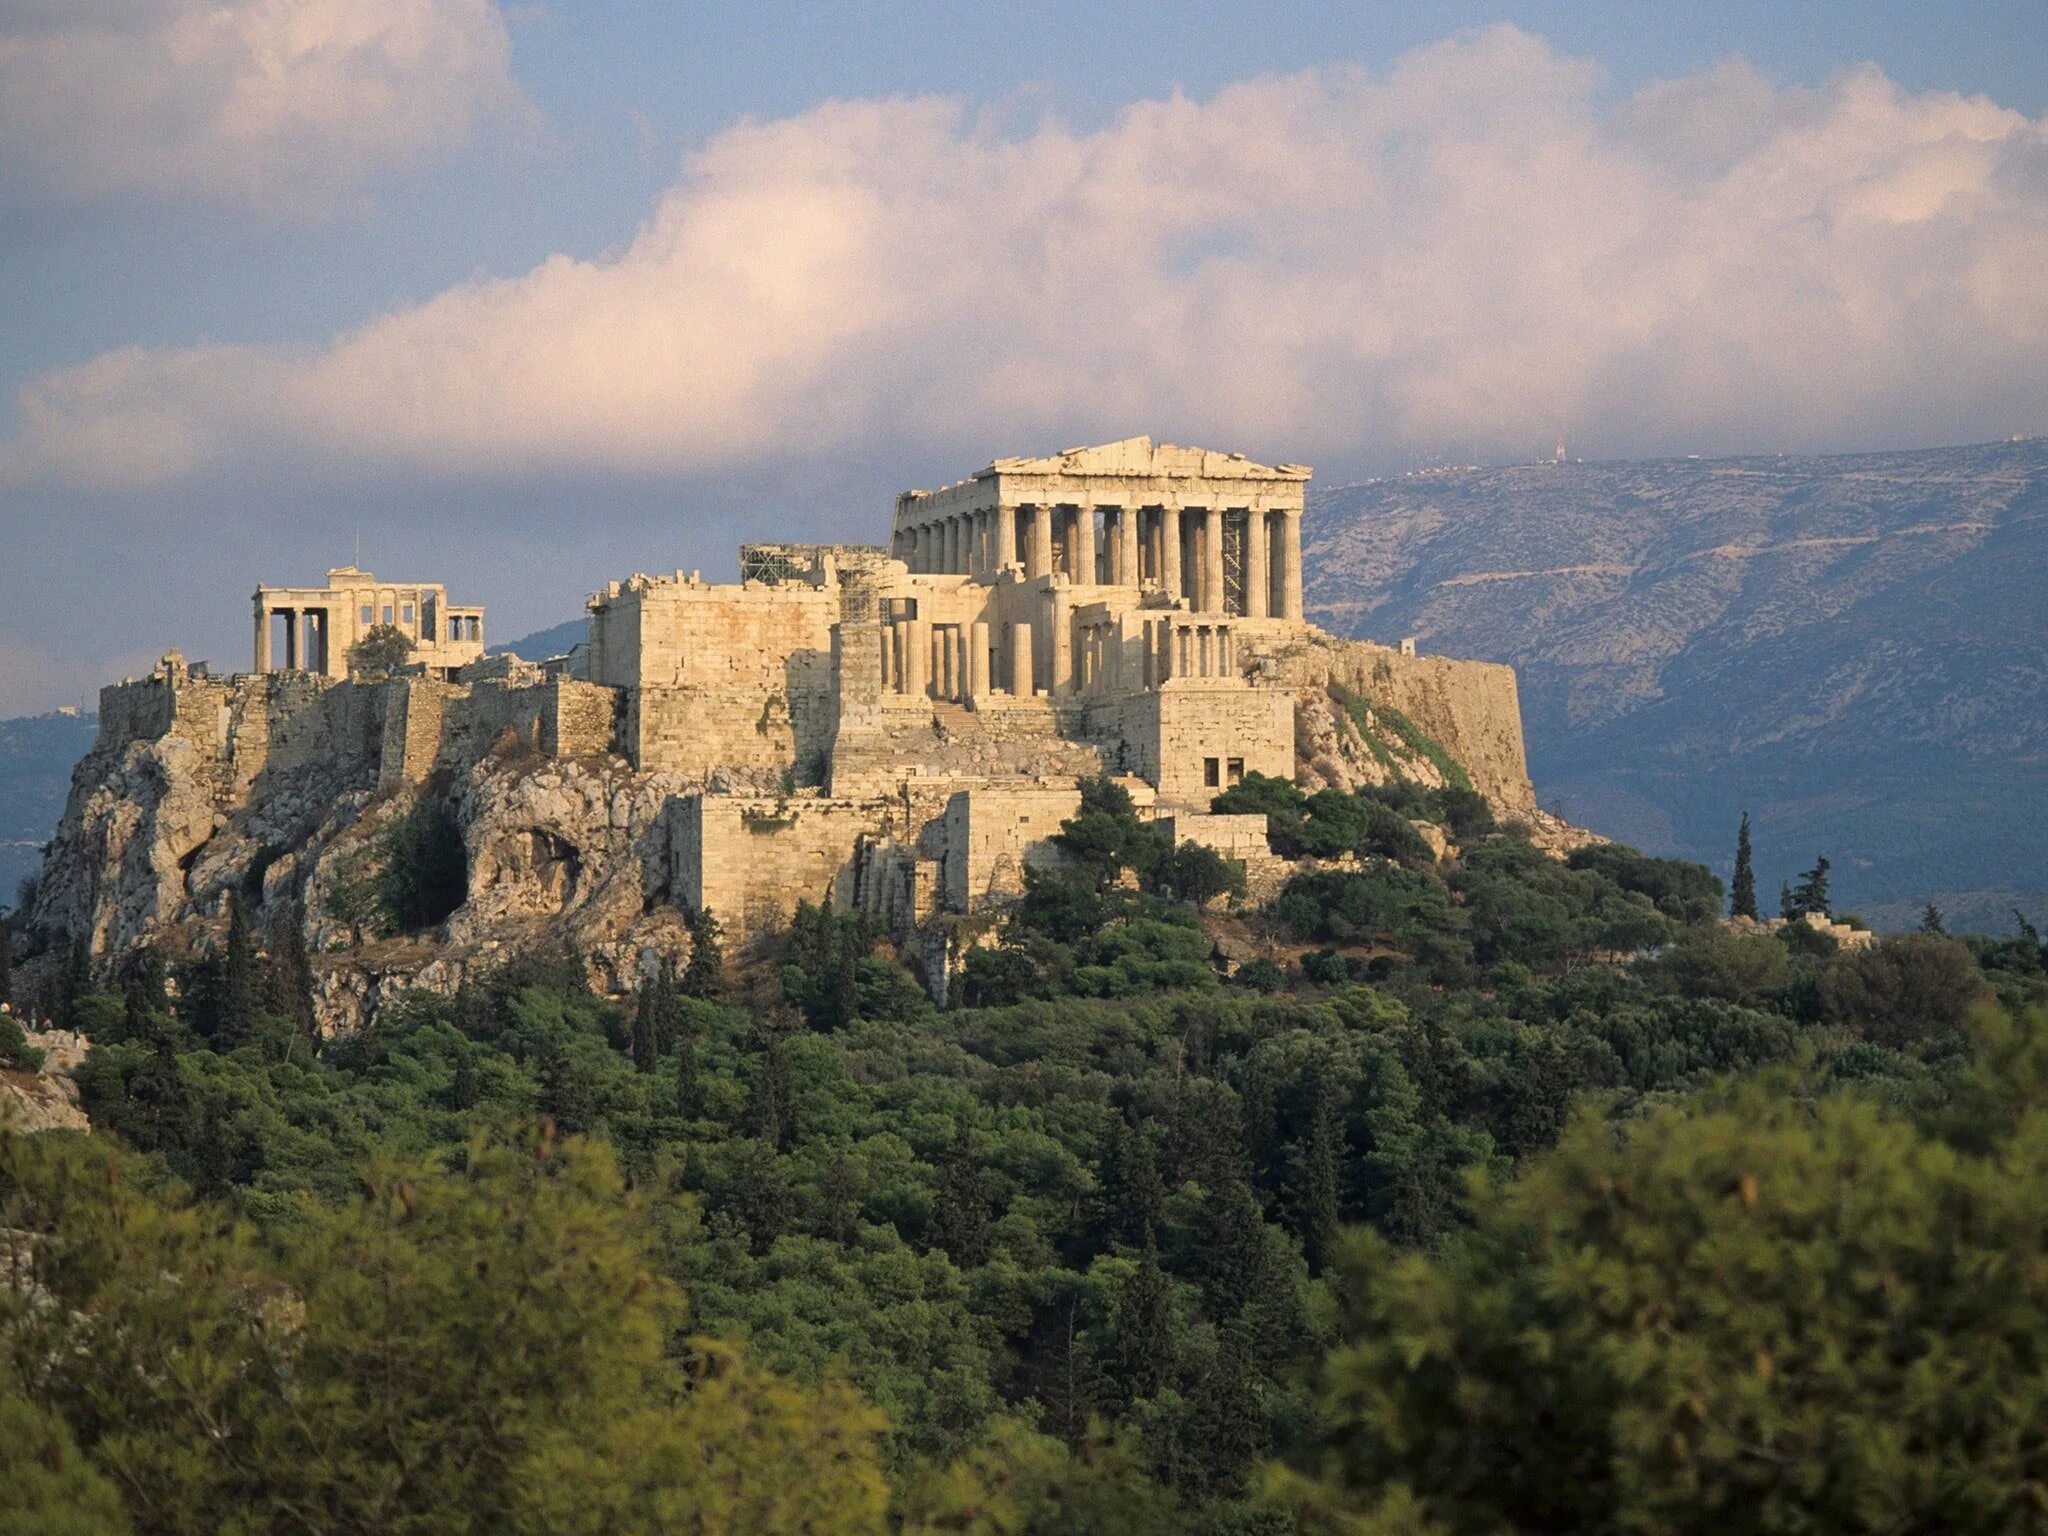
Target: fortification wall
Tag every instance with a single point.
(1189, 736)
(750, 859)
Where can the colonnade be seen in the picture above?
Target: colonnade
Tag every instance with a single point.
(306, 637)
(1183, 550)
(938, 661)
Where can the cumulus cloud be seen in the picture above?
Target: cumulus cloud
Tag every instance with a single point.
(1466, 249)
(274, 102)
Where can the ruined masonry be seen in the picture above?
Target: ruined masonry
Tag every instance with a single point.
(897, 729)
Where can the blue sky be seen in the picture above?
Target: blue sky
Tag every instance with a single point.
(530, 297)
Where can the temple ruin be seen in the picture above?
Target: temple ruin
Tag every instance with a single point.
(898, 728)
(312, 629)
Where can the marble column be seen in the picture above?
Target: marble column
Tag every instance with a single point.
(262, 637)
(1127, 547)
(1083, 546)
(917, 656)
(1006, 538)
(1039, 561)
(1023, 664)
(1060, 653)
(1212, 560)
(1290, 565)
(977, 661)
(1258, 572)
(1169, 551)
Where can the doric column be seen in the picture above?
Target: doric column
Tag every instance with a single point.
(1039, 558)
(262, 635)
(1006, 538)
(977, 660)
(1212, 560)
(956, 545)
(917, 657)
(1023, 664)
(1083, 546)
(291, 638)
(1258, 573)
(898, 646)
(888, 652)
(1127, 547)
(1169, 550)
(1290, 564)
(1060, 653)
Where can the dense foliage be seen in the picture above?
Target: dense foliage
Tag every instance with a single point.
(1066, 1257)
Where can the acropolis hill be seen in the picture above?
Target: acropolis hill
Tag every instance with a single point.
(897, 729)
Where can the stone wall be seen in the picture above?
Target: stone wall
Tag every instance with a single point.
(992, 833)
(1186, 736)
(719, 677)
(750, 859)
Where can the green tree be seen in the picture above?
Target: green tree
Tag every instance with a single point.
(1316, 1192)
(1742, 889)
(1195, 874)
(960, 1204)
(1931, 921)
(704, 975)
(1903, 991)
(240, 997)
(52, 1488)
(1810, 895)
(655, 1018)
(1757, 1314)
(383, 649)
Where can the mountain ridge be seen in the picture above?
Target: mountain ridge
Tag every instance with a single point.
(1827, 640)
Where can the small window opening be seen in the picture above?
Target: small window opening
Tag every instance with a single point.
(1234, 771)
(1212, 772)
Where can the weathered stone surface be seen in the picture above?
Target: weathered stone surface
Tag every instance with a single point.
(47, 1098)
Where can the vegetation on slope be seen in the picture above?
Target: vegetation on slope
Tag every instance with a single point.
(1500, 1193)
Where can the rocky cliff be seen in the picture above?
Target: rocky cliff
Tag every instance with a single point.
(417, 831)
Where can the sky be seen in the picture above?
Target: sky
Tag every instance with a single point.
(525, 298)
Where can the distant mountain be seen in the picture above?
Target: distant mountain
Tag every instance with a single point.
(36, 756)
(1855, 648)
(543, 643)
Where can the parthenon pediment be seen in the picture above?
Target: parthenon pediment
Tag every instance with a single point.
(1142, 456)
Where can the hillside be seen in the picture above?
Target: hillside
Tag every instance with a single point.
(1849, 646)
(36, 756)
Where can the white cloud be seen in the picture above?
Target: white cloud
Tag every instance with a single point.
(1464, 250)
(280, 103)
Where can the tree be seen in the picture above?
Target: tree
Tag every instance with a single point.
(53, 1489)
(1195, 874)
(1742, 889)
(960, 1205)
(654, 1018)
(1931, 921)
(1319, 1171)
(237, 1022)
(383, 649)
(289, 983)
(1903, 991)
(704, 975)
(1702, 1321)
(74, 983)
(1132, 1195)
(1810, 895)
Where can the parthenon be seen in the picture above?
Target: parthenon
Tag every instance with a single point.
(1213, 528)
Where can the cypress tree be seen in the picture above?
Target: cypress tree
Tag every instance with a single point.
(1811, 893)
(771, 1095)
(74, 983)
(1931, 921)
(960, 1209)
(1318, 1180)
(1143, 1338)
(1132, 1193)
(238, 978)
(841, 1189)
(1785, 901)
(1233, 1250)
(704, 976)
(289, 982)
(1742, 890)
(654, 1018)
(689, 1102)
